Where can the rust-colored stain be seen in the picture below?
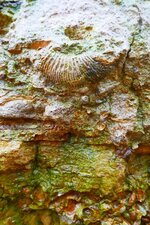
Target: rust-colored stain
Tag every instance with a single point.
(143, 150)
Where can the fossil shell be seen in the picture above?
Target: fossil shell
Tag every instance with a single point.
(72, 70)
(71, 36)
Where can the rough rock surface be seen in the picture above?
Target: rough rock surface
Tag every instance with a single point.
(74, 112)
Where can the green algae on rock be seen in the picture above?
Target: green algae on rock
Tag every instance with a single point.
(74, 112)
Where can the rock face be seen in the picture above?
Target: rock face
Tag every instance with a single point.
(74, 112)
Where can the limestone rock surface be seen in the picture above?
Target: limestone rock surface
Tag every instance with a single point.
(74, 112)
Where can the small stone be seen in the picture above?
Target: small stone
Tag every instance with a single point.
(101, 127)
(85, 99)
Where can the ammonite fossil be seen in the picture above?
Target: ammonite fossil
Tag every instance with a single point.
(67, 40)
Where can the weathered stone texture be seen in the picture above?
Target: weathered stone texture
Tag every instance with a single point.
(74, 112)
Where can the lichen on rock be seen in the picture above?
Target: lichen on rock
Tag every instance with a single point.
(74, 112)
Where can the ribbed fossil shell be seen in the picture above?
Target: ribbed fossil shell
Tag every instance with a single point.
(75, 32)
(73, 69)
